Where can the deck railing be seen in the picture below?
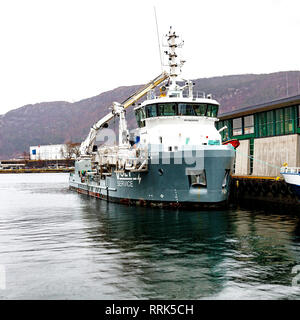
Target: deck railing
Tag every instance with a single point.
(129, 159)
(294, 170)
(196, 94)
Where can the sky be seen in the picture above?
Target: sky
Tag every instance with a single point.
(70, 50)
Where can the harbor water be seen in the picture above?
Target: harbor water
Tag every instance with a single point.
(57, 244)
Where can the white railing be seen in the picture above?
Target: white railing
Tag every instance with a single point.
(129, 159)
(290, 170)
(196, 94)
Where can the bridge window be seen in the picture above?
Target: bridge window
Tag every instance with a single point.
(167, 109)
(192, 109)
(185, 109)
(176, 109)
(200, 109)
(140, 117)
(212, 111)
(151, 111)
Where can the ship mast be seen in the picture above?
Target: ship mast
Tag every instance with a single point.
(174, 64)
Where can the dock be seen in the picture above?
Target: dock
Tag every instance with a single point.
(36, 170)
(260, 191)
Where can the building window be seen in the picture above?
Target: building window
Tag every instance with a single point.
(288, 120)
(279, 121)
(237, 127)
(299, 116)
(262, 124)
(270, 123)
(249, 124)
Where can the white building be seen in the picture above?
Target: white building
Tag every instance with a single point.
(48, 152)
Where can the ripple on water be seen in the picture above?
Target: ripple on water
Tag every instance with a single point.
(56, 244)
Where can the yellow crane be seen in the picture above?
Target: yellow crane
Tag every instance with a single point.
(86, 147)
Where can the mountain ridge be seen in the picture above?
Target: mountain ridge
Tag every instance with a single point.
(60, 121)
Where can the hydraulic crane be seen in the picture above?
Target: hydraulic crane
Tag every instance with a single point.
(86, 147)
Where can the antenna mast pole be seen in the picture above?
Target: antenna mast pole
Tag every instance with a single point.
(161, 62)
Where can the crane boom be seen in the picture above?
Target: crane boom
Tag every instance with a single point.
(87, 145)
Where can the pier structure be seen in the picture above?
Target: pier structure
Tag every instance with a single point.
(269, 136)
(36, 166)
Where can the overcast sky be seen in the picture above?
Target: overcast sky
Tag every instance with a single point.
(71, 50)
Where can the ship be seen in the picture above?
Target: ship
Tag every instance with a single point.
(291, 176)
(174, 157)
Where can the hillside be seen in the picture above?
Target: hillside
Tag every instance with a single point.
(59, 121)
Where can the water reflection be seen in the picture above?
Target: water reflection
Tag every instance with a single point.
(56, 244)
(181, 254)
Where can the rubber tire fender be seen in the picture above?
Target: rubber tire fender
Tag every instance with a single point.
(265, 188)
(256, 187)
(283, 188)
(275, 189)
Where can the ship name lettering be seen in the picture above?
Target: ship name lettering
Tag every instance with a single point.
(125, 183)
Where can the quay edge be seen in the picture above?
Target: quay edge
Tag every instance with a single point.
(256, 191)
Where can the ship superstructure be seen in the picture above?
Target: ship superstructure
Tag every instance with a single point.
(174, 156)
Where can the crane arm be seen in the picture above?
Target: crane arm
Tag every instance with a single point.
(87, 145)
(146, 88)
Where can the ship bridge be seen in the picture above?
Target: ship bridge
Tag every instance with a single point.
(177, 122)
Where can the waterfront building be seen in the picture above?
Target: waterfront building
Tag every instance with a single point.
(48, 152)
(269, 135)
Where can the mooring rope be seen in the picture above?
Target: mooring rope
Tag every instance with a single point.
(258, 160)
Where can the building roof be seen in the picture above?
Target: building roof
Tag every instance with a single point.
(271, 105)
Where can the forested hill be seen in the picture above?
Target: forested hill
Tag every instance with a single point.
(59, 121)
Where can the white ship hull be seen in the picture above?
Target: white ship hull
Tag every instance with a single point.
(292, 178)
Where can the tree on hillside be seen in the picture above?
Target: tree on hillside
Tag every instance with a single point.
(71, 150)
(26, 155)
